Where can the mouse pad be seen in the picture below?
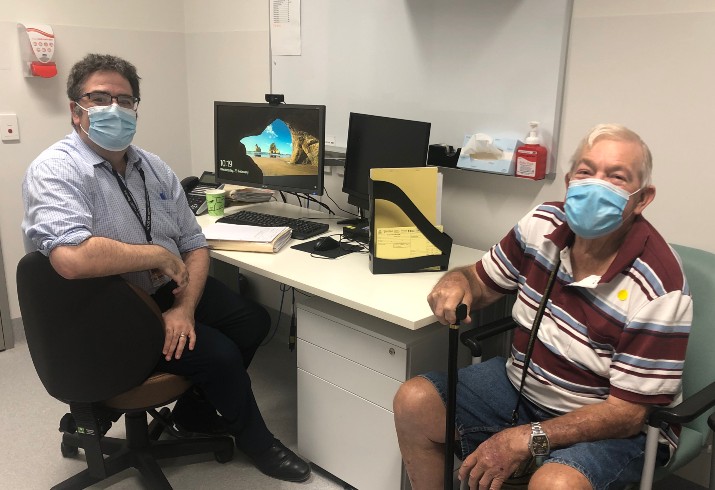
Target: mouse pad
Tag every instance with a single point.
(344, 249)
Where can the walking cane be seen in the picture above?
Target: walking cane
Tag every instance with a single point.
(461, 314)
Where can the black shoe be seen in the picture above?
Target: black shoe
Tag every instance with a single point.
(281, 463)
(192, 413)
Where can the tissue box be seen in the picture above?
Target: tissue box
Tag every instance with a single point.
(504, 165)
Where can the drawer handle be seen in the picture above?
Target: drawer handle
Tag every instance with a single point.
(392, 351)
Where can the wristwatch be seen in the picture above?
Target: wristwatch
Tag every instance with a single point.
(538, 443)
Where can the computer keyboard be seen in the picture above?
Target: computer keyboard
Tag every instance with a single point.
(302, 229)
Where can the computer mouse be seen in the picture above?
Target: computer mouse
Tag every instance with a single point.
(325, 243)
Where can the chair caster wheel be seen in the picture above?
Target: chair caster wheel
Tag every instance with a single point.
(224, 456)
(68, 424)
(68, 451)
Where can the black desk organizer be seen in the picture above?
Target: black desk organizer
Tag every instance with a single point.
(388, 191)
(442, 156)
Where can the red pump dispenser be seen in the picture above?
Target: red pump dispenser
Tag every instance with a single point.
(531, 156)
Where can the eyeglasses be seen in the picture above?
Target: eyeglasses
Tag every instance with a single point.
(103, 98)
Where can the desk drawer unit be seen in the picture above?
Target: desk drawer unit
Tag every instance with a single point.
(350, 365)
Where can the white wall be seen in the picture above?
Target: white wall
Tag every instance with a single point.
(466, 66)
(643, 63)
(227, 55)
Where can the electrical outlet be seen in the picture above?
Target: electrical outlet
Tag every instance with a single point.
(327, 170)
(341, 171)
(329, 140)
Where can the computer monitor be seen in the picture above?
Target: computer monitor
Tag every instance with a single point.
(270, 146)
(380, 142)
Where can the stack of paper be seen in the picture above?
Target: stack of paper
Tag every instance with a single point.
(249, 194)
(246, 238)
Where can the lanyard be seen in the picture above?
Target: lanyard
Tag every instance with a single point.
(133, 204)
(532, 336)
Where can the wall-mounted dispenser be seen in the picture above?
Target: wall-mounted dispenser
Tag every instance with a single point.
(37, 45)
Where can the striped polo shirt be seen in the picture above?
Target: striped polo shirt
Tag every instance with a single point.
(623, 334)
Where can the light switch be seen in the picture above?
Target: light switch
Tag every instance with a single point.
(8, 126)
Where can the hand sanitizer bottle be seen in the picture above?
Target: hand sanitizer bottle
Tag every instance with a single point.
(531, 156)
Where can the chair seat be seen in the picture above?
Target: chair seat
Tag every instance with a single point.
(158, 390)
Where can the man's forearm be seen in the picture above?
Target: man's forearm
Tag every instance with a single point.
(483, 295)
(197, 263)
(99, 256)
(610, 419)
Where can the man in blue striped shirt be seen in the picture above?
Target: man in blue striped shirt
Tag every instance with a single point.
(98, 205)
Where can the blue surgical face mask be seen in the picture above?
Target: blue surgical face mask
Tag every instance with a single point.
(111, 127)
(594, 207)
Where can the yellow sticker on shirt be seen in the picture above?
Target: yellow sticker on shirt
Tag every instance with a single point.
(623, 295)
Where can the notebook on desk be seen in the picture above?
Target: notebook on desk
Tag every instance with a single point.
(246, 238)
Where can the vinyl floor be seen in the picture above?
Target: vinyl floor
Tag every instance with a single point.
(31, 442)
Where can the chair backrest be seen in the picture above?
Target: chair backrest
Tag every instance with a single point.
(90, 339)
(699, 371)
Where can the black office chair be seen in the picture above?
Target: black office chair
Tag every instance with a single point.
(95, 344)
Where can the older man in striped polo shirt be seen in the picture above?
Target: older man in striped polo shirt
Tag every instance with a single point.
(610, 345)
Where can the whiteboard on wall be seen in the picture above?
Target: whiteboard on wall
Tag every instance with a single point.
(466, 66)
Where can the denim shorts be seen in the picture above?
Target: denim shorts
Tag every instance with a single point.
(485, 401)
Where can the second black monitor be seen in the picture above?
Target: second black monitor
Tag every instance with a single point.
(380, 142)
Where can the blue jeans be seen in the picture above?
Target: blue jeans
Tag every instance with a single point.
(485, 401)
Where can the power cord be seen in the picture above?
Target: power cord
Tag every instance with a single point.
(283, 288)
(312, 199)
(336, 204)
(293, 319)
(293, 324)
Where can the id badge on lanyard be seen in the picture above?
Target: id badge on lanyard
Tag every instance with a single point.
(157, 278)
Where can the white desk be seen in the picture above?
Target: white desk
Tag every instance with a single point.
(397, 298)
(359, 338)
